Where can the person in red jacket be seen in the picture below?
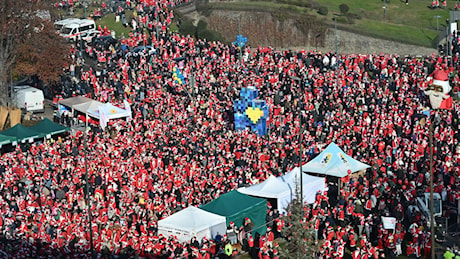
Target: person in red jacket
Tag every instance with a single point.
(352, 240)
(357, 254)
(270, 236)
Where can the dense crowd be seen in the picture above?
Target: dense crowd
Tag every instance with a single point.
(180, 148)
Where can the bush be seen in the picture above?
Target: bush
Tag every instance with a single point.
(187, 28)
(210, 35)
(344, 8)
(323, 10)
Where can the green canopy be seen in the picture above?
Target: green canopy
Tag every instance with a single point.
(48, 127)
(4, 139)
(21, 133)
(236, 206)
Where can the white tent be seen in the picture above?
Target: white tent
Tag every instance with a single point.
(111, 111)
(311, 184)
(87, 106)
(274, 188)
(191, 222)
(70, 102)
(334, 162)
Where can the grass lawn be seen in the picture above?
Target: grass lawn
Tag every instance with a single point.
(109, 21)
(414, 23)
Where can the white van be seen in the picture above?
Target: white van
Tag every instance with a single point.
(59, 24)
(72, 31)
(29, 99)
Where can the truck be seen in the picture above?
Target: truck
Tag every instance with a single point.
(28, 99)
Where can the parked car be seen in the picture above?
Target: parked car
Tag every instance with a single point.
(147, 49)
(104, 41)
(89, 35)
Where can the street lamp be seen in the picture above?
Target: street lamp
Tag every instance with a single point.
(448, 37)
(384, 10)
(336, 53)
(300, 138)
(437, 21)
(239, 32)
(434, 120)
(88, 197)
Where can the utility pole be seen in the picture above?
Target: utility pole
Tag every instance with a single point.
(88, 197)
(384, 10)
(433, 247)
(448, 37)
(437, 21)
(239, 33)
(300, 135)
(336, 54)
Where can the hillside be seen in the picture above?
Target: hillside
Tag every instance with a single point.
(289, 24)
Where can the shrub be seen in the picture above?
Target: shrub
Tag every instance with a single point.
(344, 9)
(323, 10)
(187, 28)
(210, 35)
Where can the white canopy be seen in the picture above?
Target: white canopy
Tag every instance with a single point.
(274, 188)
(70, 102)
(87, 106)
(311, 184)
(111, 111)
(93, 108)
(334, 162)
(191, 222)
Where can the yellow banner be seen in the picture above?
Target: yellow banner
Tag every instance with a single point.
(15, 117)
(3, 116)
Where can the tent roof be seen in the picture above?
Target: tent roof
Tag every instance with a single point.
(236, 206)
(191, 218)
(333, 161)
(46, 126)
(270, 188)
(21, 133)
(70, 102)
(87, 106)
(5, 139)
(112, 111)
(231, 203)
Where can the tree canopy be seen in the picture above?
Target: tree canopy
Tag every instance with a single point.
(28, 43)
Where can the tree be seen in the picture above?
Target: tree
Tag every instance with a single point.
(344, 9)
(298, 236)
(28, 43)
